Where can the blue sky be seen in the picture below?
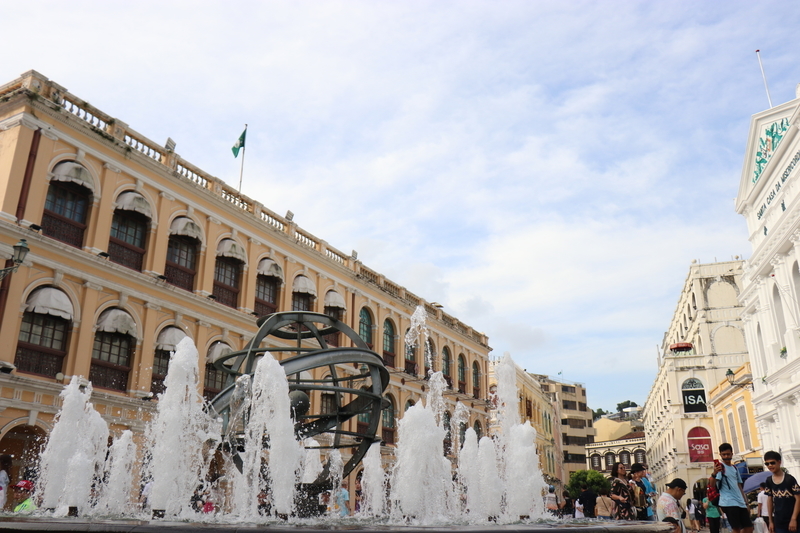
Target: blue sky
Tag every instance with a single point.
(546, 170)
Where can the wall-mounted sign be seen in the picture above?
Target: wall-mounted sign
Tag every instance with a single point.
(699, 441)
(694, 401)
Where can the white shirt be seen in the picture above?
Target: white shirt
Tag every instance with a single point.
(762, 500)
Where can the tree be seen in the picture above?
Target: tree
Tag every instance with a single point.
(597, 413)
(591, 478)
(625, 405)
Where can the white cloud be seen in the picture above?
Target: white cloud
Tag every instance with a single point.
(547, 171)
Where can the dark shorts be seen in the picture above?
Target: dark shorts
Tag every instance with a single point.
(738, 517)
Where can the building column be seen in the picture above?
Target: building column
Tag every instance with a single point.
(79, 360)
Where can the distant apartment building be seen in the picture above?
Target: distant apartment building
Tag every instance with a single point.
(704, 340)
(576, 421)
(541, 411)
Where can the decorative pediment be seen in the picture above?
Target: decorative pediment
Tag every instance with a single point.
(771, 134)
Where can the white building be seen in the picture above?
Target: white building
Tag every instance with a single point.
(769, 199)
(704, 340)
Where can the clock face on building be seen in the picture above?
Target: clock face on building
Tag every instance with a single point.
(768, 142)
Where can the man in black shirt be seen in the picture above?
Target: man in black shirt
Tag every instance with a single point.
(783, 496)
(587, 499)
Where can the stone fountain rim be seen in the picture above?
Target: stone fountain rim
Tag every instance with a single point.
(72, 525)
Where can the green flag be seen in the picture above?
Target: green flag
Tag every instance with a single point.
(239, 144)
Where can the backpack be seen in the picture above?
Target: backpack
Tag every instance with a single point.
(712, 493)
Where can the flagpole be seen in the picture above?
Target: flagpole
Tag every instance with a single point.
(241, 169)
(769, 98)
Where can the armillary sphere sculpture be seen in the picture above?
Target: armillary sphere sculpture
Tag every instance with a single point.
(356, 381)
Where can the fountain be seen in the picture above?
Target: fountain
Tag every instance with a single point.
(278, 458)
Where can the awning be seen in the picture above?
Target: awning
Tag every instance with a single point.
(185, 226)
(217, 350)
(74, 172)
(231, 248)
(169, 338)
(304, 285)
(116, 321)
(334, 299)
(133, 201)
(49, 301)
(268, 267)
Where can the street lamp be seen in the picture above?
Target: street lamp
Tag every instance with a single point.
(20, 253)
(731, 377)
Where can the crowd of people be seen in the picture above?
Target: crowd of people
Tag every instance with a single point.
(723, 505)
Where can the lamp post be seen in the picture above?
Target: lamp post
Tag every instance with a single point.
(731, 377)
(20, 252)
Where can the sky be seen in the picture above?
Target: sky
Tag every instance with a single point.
(547, 171)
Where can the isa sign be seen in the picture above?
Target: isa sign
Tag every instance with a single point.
(694, 401)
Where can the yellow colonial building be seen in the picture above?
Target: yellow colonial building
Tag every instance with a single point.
(541, 410)
(133, 248)
(734, 420)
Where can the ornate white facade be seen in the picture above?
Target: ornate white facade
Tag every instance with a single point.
(704, 340)
(769, 199)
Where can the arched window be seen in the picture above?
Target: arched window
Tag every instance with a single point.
(127, 242)
(411, 358)
(625, 457)
(777, 307)
(112, 355)
(596, 462)
(228, 272)
(334, 308)
(268, 281)
(214, 380)
(448, 433)
(430, 357)
(478, 429)
(44, 333)
(447, 363)
(476, 384)
(166, 342)
(610, 460)
(66, 208)
(387, 418)
(184, 241)
(365, 326)
(639, 456)
(462, 374)
(303, 294)
(388, 343)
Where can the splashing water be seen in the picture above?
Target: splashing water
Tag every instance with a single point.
(469, 476)
(115, 497)
(181, 438)
(269, 417)
(497, 479)
(75, 452)
(373, 483)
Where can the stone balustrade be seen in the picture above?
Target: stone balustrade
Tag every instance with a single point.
(37, 86)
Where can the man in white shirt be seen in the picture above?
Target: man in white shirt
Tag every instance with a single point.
(668, 505)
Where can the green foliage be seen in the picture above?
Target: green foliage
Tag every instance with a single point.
(591, 478)
(625, 405)
(599, 412)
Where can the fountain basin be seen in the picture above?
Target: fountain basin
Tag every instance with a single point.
(16, 523)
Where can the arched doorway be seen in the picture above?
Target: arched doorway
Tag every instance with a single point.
(24, 443)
